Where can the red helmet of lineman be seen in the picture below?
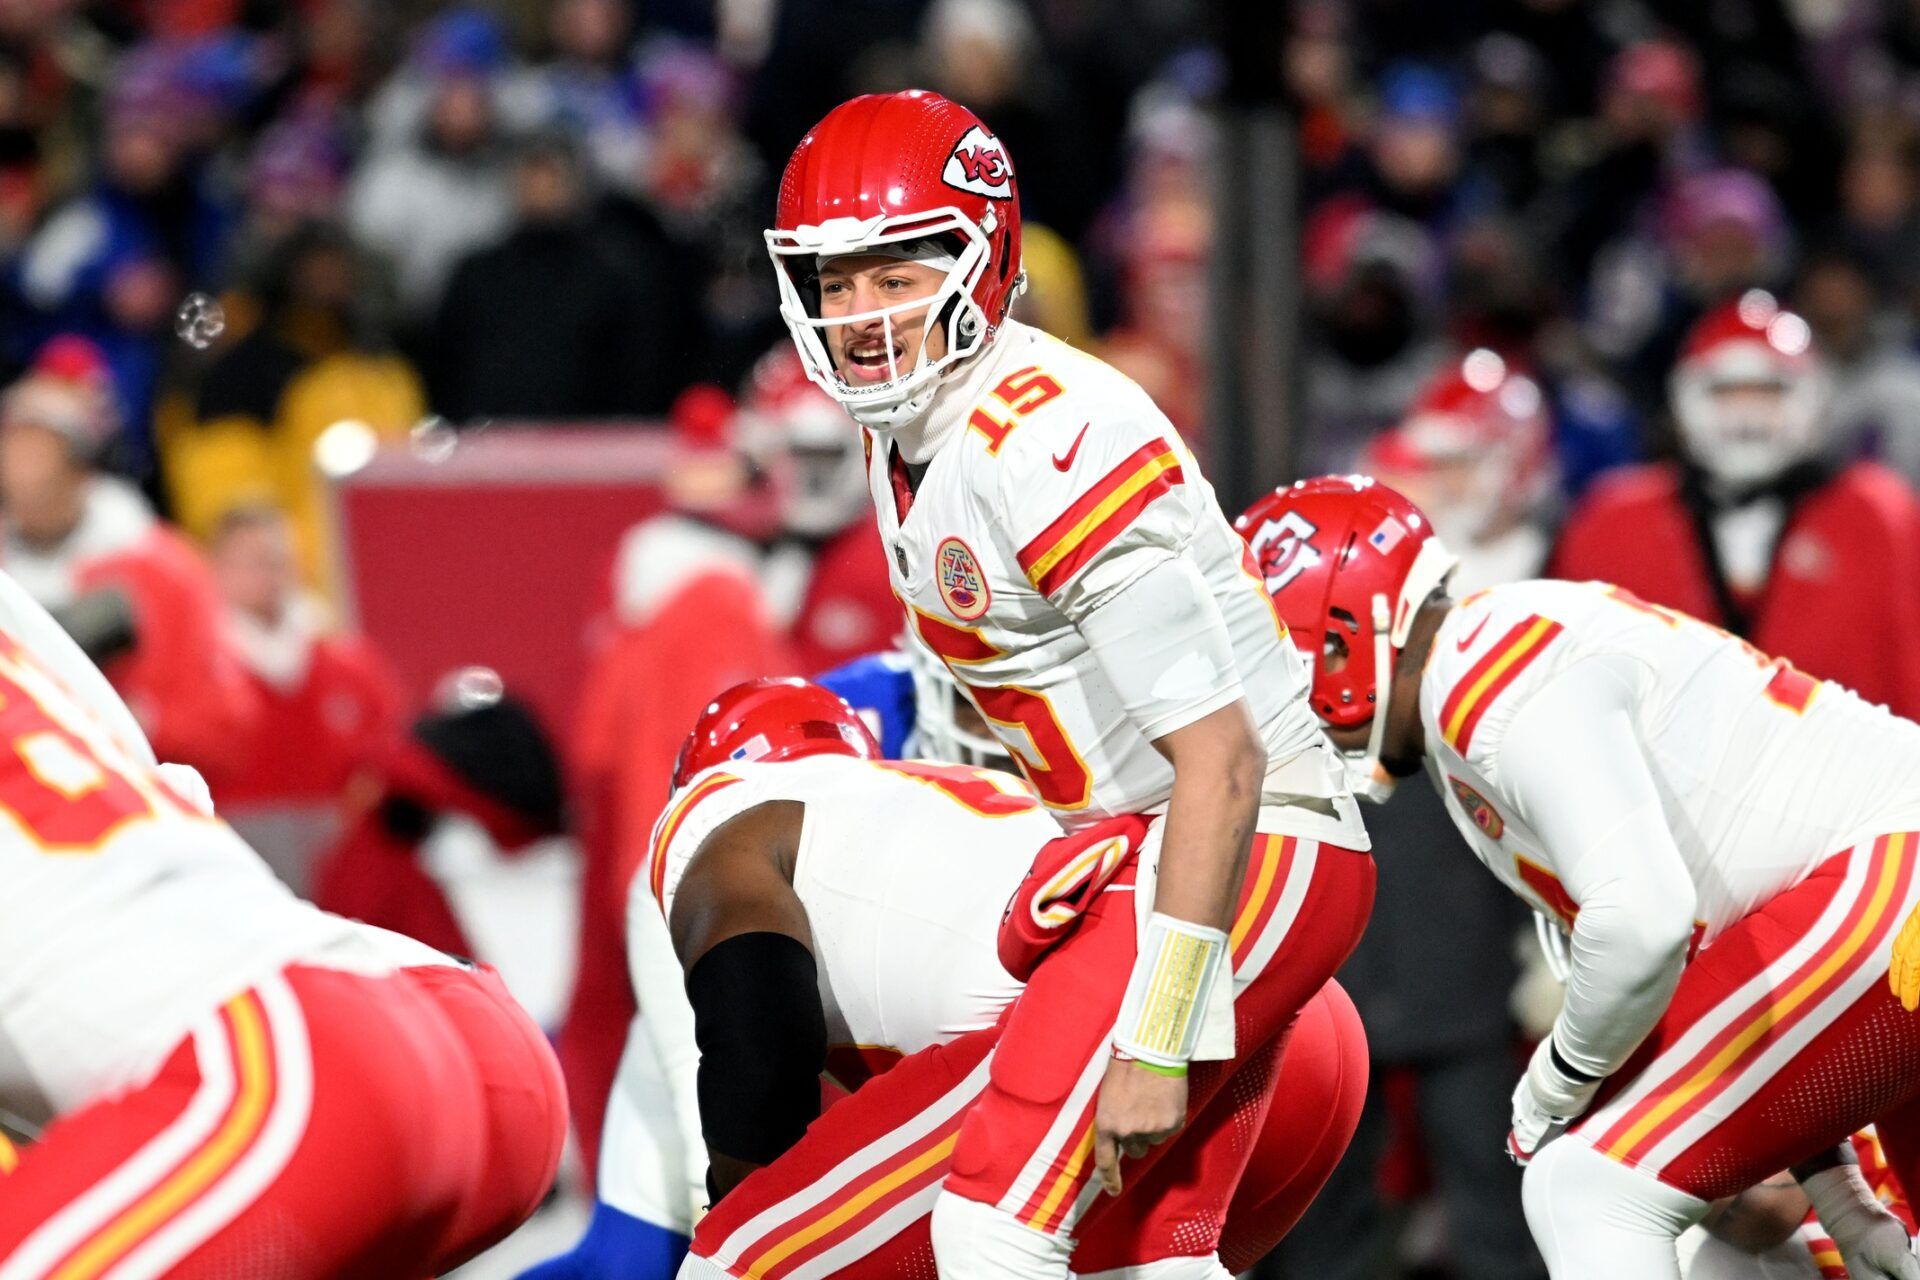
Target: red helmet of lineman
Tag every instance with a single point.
(772, 719)
(906, 175)
(1349, 562)
(1749, 391)
(1475, 450)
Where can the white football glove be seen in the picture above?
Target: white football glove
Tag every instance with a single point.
(1872, 1242)
(1545, 1101)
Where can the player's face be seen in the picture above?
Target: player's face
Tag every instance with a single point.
(860, 348)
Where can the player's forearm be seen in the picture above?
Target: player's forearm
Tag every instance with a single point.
(1218, 763)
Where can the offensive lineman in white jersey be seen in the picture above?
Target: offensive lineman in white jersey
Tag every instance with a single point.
(1055, 544)
(1660, 789)
(205, 1050)
(834, 912)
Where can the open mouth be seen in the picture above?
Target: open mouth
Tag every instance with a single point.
(868, 359)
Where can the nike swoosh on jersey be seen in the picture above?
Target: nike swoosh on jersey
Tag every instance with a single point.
(1062, 463)
(1466, 642)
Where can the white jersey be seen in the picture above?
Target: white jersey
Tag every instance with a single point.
(1591, 747)
(1034, 533)
(128, 913)
(904, 869)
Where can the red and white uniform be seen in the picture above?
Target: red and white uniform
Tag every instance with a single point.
(1652, 782)
(1823, 580)
(331, 693)
(1067, 560)
(207, 1046)
(1029, 555)
(905, 869)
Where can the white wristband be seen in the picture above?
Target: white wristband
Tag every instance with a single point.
(1172, 980)
(1840, 1195)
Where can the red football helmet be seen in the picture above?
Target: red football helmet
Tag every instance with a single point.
(1749, 390)
(1349, 562)
(1475, 450)
(772, 719)
(909, 174)
(806, 444)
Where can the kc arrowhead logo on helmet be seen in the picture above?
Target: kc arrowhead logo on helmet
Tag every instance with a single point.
(1284, 549)
(979, 164)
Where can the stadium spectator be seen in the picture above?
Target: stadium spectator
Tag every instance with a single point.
(112, 261)
(1373, 341)
(317, 354)
(435, 185)
(1879, 199)
(134, 593)
(1650, 135)
(329, 704)
(1874, 404)
(553, 322)
(584, 87)
(1753, 528)
(1719, 233)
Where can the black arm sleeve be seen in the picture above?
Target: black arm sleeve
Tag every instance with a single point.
(763, 1041)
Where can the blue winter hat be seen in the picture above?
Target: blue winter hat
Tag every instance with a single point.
(461, 42)
(1417, 93)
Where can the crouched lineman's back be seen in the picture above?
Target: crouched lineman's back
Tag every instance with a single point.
(232, 1083)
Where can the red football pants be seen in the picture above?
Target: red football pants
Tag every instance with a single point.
(1027, 1146)
(319, 1124)
(1782, 1038)
(857, 1189)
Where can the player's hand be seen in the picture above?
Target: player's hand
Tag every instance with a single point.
(1872, 1242)
(1544, 1102)
(1138, 1109)
(1903, 973)
(1884, 1252)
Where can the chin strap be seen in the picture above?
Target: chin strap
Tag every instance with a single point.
(1365, 777)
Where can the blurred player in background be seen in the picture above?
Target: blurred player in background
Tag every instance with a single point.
(688, 618)
(327, 691)
(1728, 843)
(134, 593)
(1475, 452)
(1055, 544)
(826, 574)
(232, 1081)
(1756, 528)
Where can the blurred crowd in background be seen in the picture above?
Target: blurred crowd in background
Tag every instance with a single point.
(229, 226)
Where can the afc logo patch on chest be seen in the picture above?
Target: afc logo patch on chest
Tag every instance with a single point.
(979, 164)
(1484, 815)
(963, 586)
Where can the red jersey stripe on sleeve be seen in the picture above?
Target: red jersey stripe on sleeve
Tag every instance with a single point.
(670, 825)
(1489, 677)
(1099, 515)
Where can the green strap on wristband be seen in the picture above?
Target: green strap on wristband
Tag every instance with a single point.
(1173, 1073)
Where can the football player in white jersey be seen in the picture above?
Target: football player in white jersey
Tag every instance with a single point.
(835, 911)
(231, 1081)
(1729, 844)
(1054, 542)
